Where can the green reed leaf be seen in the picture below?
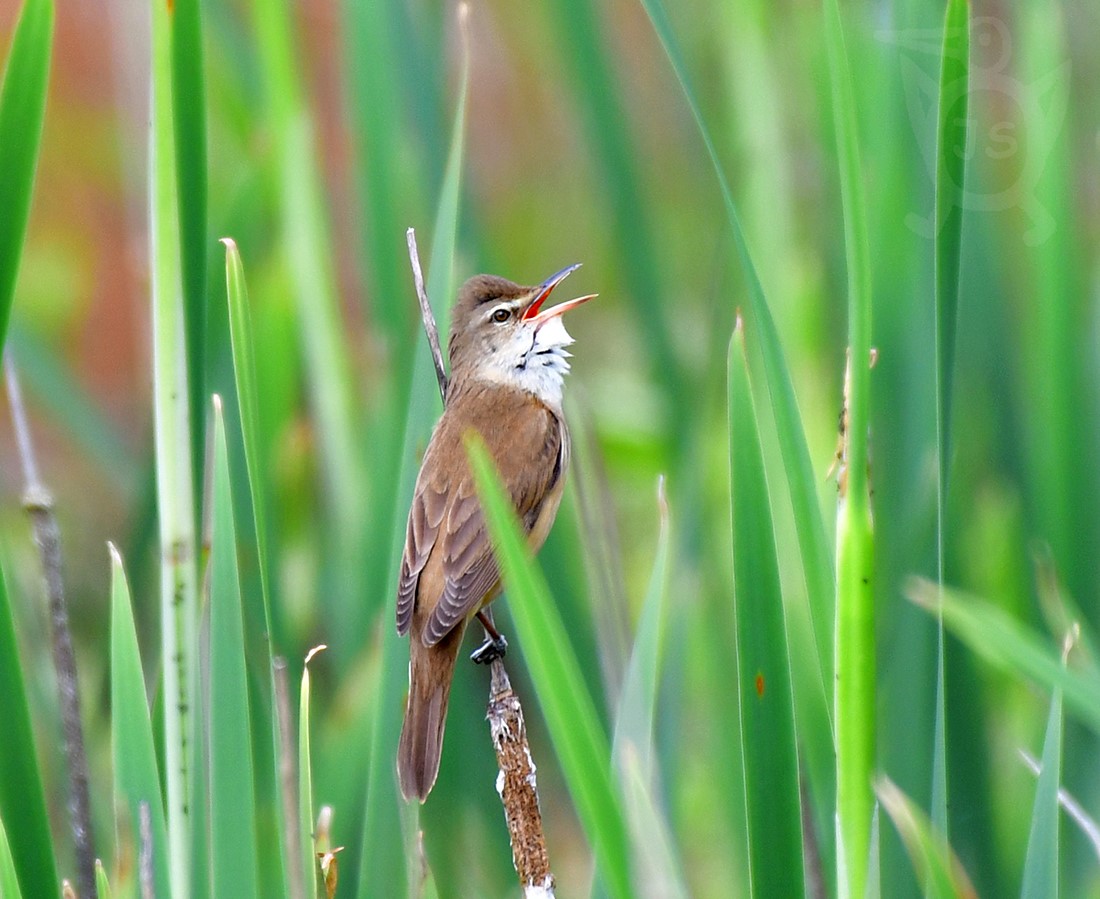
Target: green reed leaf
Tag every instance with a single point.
(579, 740)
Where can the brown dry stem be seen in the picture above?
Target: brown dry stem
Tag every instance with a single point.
(38, 504)
(517, 786)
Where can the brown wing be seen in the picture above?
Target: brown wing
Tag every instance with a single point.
(428, 509)
(525, 438)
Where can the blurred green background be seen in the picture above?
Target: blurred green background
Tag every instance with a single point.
(581, 147)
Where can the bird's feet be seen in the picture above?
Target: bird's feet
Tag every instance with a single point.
(492, 649)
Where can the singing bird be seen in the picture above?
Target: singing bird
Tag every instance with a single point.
(508, 359)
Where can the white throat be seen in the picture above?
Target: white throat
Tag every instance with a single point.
(536, 361)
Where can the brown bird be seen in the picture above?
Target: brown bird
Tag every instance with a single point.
(508, 359)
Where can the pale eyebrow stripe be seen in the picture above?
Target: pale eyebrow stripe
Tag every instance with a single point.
(509, 304)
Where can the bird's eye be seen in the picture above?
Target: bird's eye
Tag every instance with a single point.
(501, 315)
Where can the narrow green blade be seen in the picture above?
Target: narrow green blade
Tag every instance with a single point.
(22, 106)
(632, 746)
(1003, 642)
(306, 815)
(765, 696)
(1056, 352)
(102, 884)
(9, 881)
(172, 430)
(854, 707)
(857, 254)
(189, 112)
(601, 104)
(308, 247)
(952, 132)
(233, 849)
(854, 702)
(817, 562)
(654, 848)
(22, 798)
(377, 114)
(812, 697)
(384, 867)
(135, 764)
(950, 175)
(939, 871)
(579, 741)
(268, 784)
(637, 704)
(244, 370)
(1041, 859)
(440, 278)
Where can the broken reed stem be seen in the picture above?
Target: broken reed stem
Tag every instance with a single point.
(430, 327)
(39, 506)
(517, 786)
(288, 775)
(516, 781)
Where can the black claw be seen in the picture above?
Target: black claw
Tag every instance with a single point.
(489, 651)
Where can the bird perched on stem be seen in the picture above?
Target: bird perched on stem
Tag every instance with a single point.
(508, 359)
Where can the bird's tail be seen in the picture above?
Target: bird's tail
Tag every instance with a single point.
(431, 670)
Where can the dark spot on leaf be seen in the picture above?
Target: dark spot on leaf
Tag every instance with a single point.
(759, 684)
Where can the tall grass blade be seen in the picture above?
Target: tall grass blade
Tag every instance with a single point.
(9, 881)
(22, 797)
(578, 30)
(1064, 493)
(637, 704)
(951, 152)
(854, 702)
(632, 748)
(269, 785)
(305, 233)
(244, 371)
(189, 112)
(388, 59)
(377, 113)
(384, 864)
(854, 705)
(1006, 644)
(396, 187)
(1041, 859)
(136, 779)
(103, 885)
(306, 816)
(951, 140)
(233, 847)
(764, 690)
(809, 524)
(938, 870)
(440, 280)
(22, 106)
(655, 857)
(579, 741)
(172, 434)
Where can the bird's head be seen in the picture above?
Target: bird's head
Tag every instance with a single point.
(501, 333)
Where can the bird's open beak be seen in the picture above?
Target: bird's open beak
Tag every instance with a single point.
(532, 314)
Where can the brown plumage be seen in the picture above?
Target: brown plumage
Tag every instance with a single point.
(448, 572)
